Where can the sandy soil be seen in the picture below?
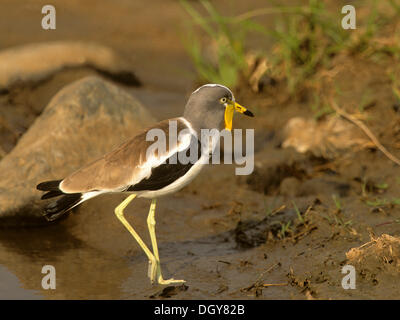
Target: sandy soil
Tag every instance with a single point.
(223, 234)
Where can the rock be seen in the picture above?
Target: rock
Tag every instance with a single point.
(38, 61)
(327, 138)
(83, 121)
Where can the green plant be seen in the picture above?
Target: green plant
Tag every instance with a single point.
(382, 186)
(319, 108)
(226, 36)
(342, 223)
(338, 221)
(382, 202)
(396, 201)
(306, 41)
(285, 229)
(376, 202)
(371, 24)
(395, 6)
(298, 213)
(337, 202)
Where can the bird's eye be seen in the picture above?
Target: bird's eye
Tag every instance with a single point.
(223, 100)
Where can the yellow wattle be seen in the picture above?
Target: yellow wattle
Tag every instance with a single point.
(229, 110)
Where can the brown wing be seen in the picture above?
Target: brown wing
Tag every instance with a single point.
(120, 168)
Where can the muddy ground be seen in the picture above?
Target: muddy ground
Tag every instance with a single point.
(281, 233)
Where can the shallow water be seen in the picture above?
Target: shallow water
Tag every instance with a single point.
(84, 271)
(101, 260)
(11, 288)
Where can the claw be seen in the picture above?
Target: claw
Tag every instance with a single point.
(160, 279)
(169, 281)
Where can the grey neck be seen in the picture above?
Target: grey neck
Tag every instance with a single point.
(201, 118)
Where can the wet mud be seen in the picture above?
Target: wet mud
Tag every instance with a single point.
(283, 232)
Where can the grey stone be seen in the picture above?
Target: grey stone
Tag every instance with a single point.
(83, 121)
(38, 61)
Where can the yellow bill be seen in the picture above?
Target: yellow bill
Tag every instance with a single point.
(230, 109)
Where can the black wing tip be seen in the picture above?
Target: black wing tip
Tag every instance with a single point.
(58, 208)
(49, 185)
(50, 217)
(51, 194)
(248, 113)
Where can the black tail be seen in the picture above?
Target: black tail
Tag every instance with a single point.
(61, 206)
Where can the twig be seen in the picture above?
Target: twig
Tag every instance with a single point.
(226, 262)
(364, 128)
(367, 244)
(388, 222)
(257, 282)
(274, 284)
(281, 208)
(302, 234)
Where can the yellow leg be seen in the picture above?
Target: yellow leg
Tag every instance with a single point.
(156, 269)
(119, 212)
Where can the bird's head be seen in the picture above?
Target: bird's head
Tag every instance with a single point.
(213, 106)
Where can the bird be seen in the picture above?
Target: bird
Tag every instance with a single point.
(138, 170)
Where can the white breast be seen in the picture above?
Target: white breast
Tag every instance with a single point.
(178, 184)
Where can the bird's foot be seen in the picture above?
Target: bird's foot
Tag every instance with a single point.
(169, 281)
(154, 273)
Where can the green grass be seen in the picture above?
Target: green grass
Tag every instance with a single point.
(395, 5)
(320, 109)
(376, 202)
(382, 186)
(396, 201)
(337, 202)
(382, 202)
(268, 209)
(377, 19)
(304, 36)
(285, 229)
(227, 38)
(371, 27)
(338, 221)
(305, 40)
(298, 213)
